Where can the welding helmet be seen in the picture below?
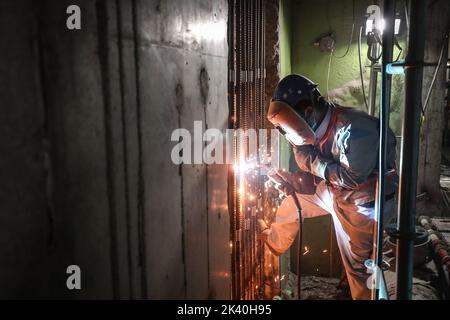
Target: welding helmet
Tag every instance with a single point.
(282, 113)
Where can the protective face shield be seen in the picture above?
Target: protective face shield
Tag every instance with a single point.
(290, 124)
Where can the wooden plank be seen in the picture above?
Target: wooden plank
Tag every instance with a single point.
(171, 70)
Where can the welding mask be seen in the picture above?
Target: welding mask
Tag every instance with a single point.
(291, 92)
(290, 124)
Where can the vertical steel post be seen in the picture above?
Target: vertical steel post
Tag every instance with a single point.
(373, 82)
(410, 149)
(385, 99)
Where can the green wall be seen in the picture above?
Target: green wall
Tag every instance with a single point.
(285, 37)
(312, 19)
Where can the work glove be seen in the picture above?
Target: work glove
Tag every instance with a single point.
(309, 160)
(280, 234)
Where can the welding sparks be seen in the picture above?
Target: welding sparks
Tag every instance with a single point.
(243, 167)
(306, 251)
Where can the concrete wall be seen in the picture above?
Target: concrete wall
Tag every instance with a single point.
(85, 163)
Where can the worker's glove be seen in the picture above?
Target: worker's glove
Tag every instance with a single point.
(275, 190)
(309, 160)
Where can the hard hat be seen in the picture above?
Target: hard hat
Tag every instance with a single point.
(282, 114)
(294, 88)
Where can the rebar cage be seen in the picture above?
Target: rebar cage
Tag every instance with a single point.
(254, 269)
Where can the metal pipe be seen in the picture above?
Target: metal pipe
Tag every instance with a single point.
(373, 83)
(385, 100)
(410, 150)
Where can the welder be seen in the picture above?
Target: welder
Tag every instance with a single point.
(336, 151)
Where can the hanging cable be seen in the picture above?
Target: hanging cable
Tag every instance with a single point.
(361, 69)
(351, 36)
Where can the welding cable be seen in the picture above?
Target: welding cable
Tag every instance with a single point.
(360, 68)
(300, 243)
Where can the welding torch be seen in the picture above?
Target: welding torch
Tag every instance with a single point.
(289, 189)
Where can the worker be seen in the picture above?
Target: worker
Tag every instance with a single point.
(336, 150)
